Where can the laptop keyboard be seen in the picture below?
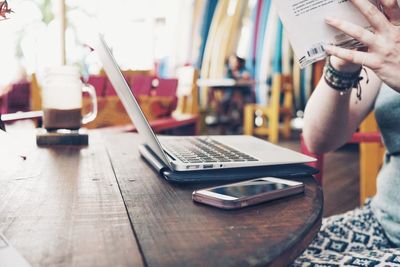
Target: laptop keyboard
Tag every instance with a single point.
(198, 150)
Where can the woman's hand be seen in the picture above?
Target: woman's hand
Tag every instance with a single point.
(383, 55)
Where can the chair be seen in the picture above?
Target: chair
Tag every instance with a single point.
(36, 94)
(128, 74)
(14, 101)
(157, 98)
(18, 97)
(141, 84)
(111, 111)
(164, 87)
(99, 84)
(163, 99)
(272, 113)
(318, 164)
(160, 106)
(371, 156)
(109, 89)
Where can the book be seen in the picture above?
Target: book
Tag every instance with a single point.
(305, 26)
(9, 256)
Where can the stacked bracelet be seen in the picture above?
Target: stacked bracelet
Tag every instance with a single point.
(342, 81)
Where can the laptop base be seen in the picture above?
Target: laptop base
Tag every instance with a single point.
(225, 175)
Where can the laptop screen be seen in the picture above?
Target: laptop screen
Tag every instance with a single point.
(128, 100)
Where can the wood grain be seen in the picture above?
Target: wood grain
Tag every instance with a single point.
(173, 231)
(340, 179)
(69, 211)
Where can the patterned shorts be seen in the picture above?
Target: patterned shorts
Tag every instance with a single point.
(354, 238)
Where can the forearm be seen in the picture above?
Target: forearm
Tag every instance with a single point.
(326, 119)
(331, 118)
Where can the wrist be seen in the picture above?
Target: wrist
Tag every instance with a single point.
(341, 80)
(342, 65)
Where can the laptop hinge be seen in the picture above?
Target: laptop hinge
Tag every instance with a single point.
(169, 155)
(152, 159)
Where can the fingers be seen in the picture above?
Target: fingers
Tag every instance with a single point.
(389, 4)
(375, 17)
(392, 10)
(356, 57)
(359, 33)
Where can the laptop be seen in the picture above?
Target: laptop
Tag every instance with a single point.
(188, 158)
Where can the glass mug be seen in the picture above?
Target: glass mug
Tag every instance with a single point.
(62, 99)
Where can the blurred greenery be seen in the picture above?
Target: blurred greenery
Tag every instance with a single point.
(46, 7)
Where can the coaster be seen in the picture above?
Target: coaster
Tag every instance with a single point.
(62, 137)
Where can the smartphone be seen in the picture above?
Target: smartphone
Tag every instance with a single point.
(242, 194)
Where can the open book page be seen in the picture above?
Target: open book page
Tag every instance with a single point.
(304, 22)
(9, 257)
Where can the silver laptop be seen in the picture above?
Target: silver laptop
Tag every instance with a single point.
(193, 153)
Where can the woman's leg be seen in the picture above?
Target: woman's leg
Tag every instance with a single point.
(354, 238)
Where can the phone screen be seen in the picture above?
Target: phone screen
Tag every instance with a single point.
(249, 189)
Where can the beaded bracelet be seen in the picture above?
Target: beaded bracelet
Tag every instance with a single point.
(343, 81)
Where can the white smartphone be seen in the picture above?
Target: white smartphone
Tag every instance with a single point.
(242, 194)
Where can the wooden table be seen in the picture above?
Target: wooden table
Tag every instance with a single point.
(104, 206)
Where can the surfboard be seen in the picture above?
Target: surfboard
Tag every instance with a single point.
(297, 85)
(199, 8)
(206, 20)
(287, 55)
(218, 16)
(251, 56)
(261, 30)
(269, 48)
(227, 38)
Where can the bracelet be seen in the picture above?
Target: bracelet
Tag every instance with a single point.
(343, 81)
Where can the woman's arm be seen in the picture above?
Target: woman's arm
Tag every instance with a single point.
(331, 118)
